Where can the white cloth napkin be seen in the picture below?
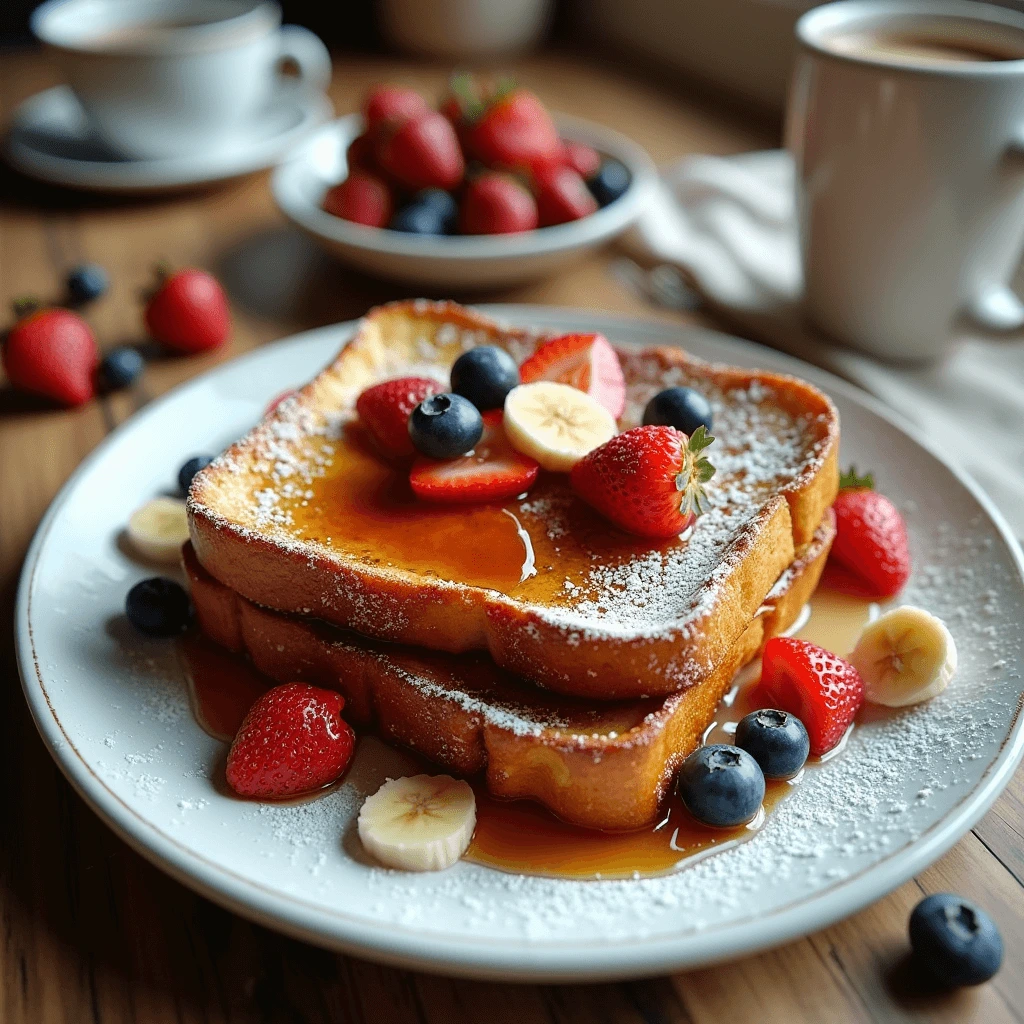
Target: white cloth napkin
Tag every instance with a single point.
(728, 224)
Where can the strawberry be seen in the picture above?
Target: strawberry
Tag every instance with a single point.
(513, 132)
(493, 471)
(362, 199)
(586, 361)
(391, 103)
(583, 159)
(293, 741)
(360, 154)
(422, 152)
(496, 204)
(871, 553)
(52, 352)
(385, 408)
(189, 312)
(648, 480)
(820, 688)
(562, 195)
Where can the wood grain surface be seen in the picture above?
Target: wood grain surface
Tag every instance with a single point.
(92, 932)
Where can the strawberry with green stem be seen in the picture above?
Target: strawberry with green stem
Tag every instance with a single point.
(510, 129)
(649, 480)
(870, 556)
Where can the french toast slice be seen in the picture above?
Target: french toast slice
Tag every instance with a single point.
(603, 765)
(302, 516)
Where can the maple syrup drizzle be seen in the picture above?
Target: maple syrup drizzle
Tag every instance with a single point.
(364, 506)
(521, 836)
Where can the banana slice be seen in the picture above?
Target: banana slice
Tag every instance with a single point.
(904, 657)
(158, 529)
(421, 823)
(555, 423)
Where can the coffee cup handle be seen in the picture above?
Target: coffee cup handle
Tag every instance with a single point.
(305, 50)
(996, 310)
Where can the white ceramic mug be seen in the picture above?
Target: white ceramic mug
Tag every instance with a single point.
(910, 171)
(167, 78)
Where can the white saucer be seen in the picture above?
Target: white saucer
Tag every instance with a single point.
(50, 139)
(113, 709)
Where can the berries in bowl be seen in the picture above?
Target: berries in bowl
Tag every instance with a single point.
(486, 190)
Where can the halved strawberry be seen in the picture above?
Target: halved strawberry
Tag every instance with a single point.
(293, 741)
(385, 409)
(493, 471)
(820, 688)
(586, 361)
(648, 480)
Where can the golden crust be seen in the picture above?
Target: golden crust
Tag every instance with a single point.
(533, 631)
(601, 765)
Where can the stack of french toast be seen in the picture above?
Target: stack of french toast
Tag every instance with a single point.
(528, 642)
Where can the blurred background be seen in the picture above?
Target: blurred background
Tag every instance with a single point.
(743, 46)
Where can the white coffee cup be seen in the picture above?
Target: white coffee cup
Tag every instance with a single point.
(909, 148)
(167, 78)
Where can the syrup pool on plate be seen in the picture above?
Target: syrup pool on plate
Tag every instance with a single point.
(521, 836)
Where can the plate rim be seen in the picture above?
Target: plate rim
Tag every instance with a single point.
(554, 960)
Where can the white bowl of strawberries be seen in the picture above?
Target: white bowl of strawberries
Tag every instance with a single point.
(489, 190)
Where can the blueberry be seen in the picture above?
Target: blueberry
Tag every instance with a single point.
(87, 282)
(485, 375)
(611, 180)
(158, 607)
(445, 426)
(776, 740)
(721, 785)
(189, 470)
(121, 367)
(443, 202)
(954, 941)
(682, 408)
(421, 218)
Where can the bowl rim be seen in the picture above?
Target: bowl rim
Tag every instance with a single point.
(287, 186)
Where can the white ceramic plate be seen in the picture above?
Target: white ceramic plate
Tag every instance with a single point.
(454, 262)
(113, 710)
(50, 139)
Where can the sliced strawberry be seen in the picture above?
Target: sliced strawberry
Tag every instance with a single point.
(820, 688)
(493, 471)
(871, 544)
(648, 480)
(385, 409)
(587, 362)
(293, 741)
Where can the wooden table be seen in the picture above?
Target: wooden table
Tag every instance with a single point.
(92, 932)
